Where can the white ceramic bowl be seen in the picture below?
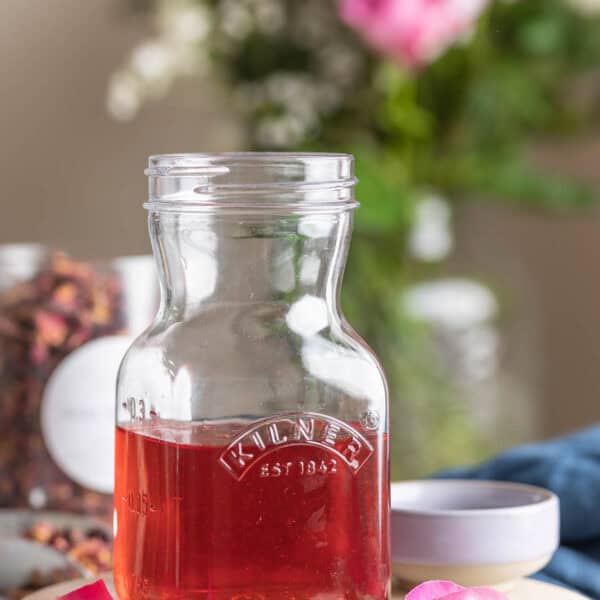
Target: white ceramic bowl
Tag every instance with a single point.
(471, 532)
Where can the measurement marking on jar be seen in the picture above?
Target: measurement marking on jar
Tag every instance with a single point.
(304, 468)
(370, 419)
(141, 586)
(139, 502)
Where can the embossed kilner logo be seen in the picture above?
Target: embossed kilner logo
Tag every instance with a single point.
(295, 429)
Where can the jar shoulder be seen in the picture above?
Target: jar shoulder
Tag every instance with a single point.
(254, 359)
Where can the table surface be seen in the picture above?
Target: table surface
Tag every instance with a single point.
(523, 590)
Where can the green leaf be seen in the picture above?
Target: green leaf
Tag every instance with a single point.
(387, 203)
(510, 179)
(521, 184)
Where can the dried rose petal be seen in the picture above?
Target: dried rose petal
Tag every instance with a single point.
(94, 591)
(67, 267)
(65, 295)
(38, 353)
(8, 328)
(448, 590)
(51, 328)
(41, 532)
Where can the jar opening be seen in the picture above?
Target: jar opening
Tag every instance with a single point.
(251, 181)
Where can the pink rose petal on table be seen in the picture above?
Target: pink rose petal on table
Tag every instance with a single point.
(94, 591)
(447, 590)
(431, 590)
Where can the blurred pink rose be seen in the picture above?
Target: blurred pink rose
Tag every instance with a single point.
(414, 32)
(447, 590)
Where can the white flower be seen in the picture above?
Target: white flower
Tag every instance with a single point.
(329, 97)
(280, 132)
(250, 96)
(313, 24)
(340, 63)
(235, 19)
(452, 303)
(124, 96)
(152, 61)
(269, 15)
(188, 24)
(431, 236)
(586, 7)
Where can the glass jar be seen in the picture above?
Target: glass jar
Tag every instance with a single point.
(65, 325)
(252, 422)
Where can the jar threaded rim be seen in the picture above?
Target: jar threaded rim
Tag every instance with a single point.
(251, 180)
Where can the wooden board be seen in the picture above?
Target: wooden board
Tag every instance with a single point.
(523, 590)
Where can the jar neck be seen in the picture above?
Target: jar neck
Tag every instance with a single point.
(219, 257)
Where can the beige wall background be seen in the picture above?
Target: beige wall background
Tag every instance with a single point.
(71, 176)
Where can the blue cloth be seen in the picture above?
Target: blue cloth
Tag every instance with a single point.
(570, 467)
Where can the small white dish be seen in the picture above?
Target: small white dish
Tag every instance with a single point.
(22, 558)
(19, 556)
(472, 532)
